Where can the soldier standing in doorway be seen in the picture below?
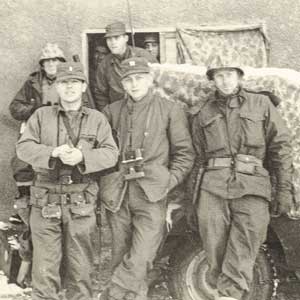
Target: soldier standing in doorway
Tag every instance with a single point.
(152, 45)
(108, 76)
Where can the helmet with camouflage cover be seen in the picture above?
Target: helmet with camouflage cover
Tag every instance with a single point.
(51, 51)
(217, 62)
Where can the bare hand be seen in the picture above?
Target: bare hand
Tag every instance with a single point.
(14, 243)
(170, 208)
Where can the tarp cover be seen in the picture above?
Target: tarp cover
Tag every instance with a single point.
(249, 42)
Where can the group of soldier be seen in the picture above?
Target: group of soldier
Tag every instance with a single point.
(131, 151)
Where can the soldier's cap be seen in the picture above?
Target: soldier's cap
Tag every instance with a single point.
(70, 70)
(134, 65)
(115, 29)
(151, 38)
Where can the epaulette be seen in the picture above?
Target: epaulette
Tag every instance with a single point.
(273, 98)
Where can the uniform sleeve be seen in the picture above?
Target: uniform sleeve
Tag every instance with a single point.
(105, 153)
(29, 147)
(181, 148)
(22, 106)
(279, 152)
(101, 91)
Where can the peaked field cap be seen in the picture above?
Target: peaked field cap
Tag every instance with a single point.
(151, 38)
(70, 70)
(134, 65)
(115, 29)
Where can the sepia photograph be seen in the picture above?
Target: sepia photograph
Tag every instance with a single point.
(150, 150)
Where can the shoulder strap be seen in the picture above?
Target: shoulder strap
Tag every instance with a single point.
(70, 131)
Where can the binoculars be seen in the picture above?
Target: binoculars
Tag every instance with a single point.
(133, 160)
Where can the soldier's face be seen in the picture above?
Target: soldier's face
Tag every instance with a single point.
(153, 48)
(227, 80)
(137, 85)
(117, 44)
(50, 66)
(70, 90)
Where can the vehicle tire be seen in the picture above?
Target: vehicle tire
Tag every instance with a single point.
(187, 280)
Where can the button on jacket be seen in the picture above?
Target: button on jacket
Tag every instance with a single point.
(108, 87)
(167, 148)
(246, 123)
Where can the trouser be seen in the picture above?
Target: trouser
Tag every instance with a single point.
(232, 232)
(137, 231)
(62, 254)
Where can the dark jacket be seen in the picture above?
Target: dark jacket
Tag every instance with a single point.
(247, 123)
(30, 97)
(108, 87)
(168, 153)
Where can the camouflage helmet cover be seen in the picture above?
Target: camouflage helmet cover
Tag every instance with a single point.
(51, 51)
(217, 62)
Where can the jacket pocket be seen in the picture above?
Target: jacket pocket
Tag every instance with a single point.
(82, 210)
(38, 196)
(214, 133)
(253, 129)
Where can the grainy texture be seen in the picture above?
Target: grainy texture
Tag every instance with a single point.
(27, 25)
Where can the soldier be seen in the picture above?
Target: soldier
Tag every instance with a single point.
(65, 144)
(99, 54)
(156, 155)
(38, 90)
(108, 78)
(233, 133)
(151, 44)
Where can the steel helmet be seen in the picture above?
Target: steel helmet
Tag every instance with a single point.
(217, 62)
(52, 51)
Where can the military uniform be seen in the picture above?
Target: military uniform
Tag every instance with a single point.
(137, 207)
(63, 197)
(108, 87)
(233, 137)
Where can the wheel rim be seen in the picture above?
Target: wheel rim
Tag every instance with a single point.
(198, 287)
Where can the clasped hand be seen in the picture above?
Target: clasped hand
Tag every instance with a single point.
(68, 155)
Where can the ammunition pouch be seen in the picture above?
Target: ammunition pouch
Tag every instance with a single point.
(81, 203)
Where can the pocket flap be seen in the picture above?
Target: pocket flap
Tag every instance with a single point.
(92, 189)
(252, 117)
(82, 210)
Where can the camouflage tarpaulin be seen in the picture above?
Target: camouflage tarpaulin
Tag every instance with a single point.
(189, 84)
(195, 46)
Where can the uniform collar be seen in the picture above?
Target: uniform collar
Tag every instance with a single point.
(119, 58)
(59, 109)
(233, 101)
